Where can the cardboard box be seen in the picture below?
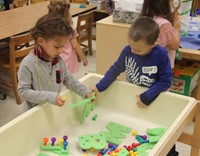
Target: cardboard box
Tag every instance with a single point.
(185, 79)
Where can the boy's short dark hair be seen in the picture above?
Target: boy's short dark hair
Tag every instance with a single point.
(144, 28)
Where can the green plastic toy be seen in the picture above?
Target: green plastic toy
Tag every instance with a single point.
(42, 154)
(54, 149)
(144, 147)
(115, 127)
(117, 132)
(88, 107)
(123, 152)
(95, 141)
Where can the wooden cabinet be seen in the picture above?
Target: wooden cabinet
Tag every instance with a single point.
(111, 38)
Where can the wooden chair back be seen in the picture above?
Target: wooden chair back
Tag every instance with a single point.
(79, 1)
(84, 30)
(20, 3)
(36, 1)
(20, 46)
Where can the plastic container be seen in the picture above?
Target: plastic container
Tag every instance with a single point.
(99, 3)
(186, 5)
(138, 5)
(185, 17)
(23, 135)
(184, 21)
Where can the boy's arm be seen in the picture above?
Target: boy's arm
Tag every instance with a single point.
(164, 82)
(111, 75)
(27, 93)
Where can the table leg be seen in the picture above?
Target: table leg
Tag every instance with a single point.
(198, 90)
(195, 151)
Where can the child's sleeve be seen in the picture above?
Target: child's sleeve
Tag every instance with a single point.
(27, 93)
(74, 85)
(163, 83)
(114, 71)
(168, 35)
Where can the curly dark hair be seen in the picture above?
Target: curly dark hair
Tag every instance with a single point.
(50, 27)
(60, 7)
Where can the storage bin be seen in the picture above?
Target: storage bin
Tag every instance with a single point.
(125, 16)
(185, 17)
(184, 22)
(138, 5)
(186, 5)
(99, 3)
(23, 135)
(186, 74)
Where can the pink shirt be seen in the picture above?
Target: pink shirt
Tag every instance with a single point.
(168, 34)
(69, 56)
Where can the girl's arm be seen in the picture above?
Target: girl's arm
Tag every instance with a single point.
(79, 51)
(169, 37)
(175, 45)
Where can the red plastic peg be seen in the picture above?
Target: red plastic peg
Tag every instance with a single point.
(45, 140)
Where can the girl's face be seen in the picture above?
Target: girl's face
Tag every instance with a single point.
(53, 47)
(140, 47)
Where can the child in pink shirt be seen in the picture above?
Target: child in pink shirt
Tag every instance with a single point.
(72, 48)
(160, 11)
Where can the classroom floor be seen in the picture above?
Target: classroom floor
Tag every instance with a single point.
(10, 110)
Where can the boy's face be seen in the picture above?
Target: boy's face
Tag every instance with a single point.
(53, 47)
(140, 47)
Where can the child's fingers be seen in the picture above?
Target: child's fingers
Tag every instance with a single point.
(59, 100)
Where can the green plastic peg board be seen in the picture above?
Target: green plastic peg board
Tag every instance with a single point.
(54, 149)
(88, 107)
(42, 154)
(95, 141)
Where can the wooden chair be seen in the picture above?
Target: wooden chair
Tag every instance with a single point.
(79, 1)
(36, 1)
(84, 29)
(9, 63)
(20, 3)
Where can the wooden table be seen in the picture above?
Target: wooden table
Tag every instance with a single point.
(21, 19)
(111, 38)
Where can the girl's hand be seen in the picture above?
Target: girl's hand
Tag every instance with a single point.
(139, 103)
(85, 61)
(59, 101)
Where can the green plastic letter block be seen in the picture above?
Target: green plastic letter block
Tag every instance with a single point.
(96, 141)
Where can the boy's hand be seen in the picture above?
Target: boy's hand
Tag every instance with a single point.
(139, 103)
(94, 89)
(59, 101)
